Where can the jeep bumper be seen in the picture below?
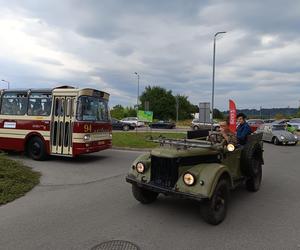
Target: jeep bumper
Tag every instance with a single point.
(165, 191)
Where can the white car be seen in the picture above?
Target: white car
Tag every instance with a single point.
(133, 121)
(196, 125)
(295, 122)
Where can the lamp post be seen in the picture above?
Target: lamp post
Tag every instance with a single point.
(138, 90)
(6, 82)
(213, 78)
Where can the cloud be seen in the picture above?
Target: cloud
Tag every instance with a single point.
(101, 43)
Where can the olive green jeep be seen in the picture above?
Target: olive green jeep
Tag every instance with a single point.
(198, 170)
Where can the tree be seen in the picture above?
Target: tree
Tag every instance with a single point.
(161, 102)
(279, 116)
(117, 112)
(185, 108)
(218, 114)
(130, 112)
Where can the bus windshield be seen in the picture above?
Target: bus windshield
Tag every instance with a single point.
(92, 109)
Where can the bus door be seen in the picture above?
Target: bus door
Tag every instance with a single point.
(62, 125)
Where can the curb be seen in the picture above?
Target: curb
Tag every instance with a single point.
(132, 149)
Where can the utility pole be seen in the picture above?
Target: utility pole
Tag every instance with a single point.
(260, 112)
(138, 90)
(213, 79)
(177, 108)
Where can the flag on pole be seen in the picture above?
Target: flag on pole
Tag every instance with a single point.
(232, 116)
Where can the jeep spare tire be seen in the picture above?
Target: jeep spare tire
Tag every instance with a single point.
(251, 159)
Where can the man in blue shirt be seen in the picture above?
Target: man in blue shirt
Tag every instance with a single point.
(243, 130)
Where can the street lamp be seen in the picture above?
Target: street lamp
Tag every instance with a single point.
(6, 82)
(213, 79)
(138, 91)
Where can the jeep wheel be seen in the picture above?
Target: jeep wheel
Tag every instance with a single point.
(253, 183)
(250, 157)
(144, 196)
(126, 127)
(214, 210)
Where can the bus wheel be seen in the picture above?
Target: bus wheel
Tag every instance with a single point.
(36, 149)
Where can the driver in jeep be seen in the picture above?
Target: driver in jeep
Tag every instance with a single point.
(224, 136)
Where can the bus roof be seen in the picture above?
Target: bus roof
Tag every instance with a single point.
(61, 90)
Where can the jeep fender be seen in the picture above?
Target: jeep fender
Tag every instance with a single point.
(207, 176)
(146, 160)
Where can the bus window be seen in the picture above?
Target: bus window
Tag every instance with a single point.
(14, 104)
(39, 104)
(92, 109)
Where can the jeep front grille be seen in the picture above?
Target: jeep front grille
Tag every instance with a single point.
(164, 171)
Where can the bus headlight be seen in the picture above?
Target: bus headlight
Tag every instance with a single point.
(140, 167)
(230, 147)
(188, 179)
(87, 137)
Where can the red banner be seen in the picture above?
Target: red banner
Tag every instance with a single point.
(232, 116)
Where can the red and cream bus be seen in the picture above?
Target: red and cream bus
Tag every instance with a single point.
(61, 121)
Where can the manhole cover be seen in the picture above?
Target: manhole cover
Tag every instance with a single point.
(116, 245)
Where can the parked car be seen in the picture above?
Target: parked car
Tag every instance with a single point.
(281, 121)
(133, 121)
(197, 170)
(277, 134)
(269, 121)
(255, 124)
(163, 124)
(196, 125)
(119, 125)
(295, 122)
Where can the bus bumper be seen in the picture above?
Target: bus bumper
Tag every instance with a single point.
(90, 147)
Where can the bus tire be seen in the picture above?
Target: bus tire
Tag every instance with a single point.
(36, 149)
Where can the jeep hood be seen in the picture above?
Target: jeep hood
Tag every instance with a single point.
(172, 152)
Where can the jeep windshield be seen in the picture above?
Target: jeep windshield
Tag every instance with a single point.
(92, 109)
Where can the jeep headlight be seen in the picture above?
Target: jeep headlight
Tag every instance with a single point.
(140, 167)
(230, 147)
(282, 137)
(188, 179)
(86, 137)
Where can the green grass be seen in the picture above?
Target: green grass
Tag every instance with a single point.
(15, 179)
(139, 140)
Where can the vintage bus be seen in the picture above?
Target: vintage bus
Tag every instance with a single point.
(62, 121)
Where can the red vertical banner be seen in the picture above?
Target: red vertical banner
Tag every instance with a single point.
(232, 116)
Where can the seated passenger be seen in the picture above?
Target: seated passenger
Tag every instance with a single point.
(243, 130)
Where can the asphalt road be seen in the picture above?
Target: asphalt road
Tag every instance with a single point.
(83, 202)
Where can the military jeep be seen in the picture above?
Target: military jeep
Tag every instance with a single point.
(198, 170)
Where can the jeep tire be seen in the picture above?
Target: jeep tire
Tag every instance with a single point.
(214, 210)
(251, 159)
(142, 195)
(253, 182)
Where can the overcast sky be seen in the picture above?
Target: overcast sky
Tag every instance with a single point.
(101, 43)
